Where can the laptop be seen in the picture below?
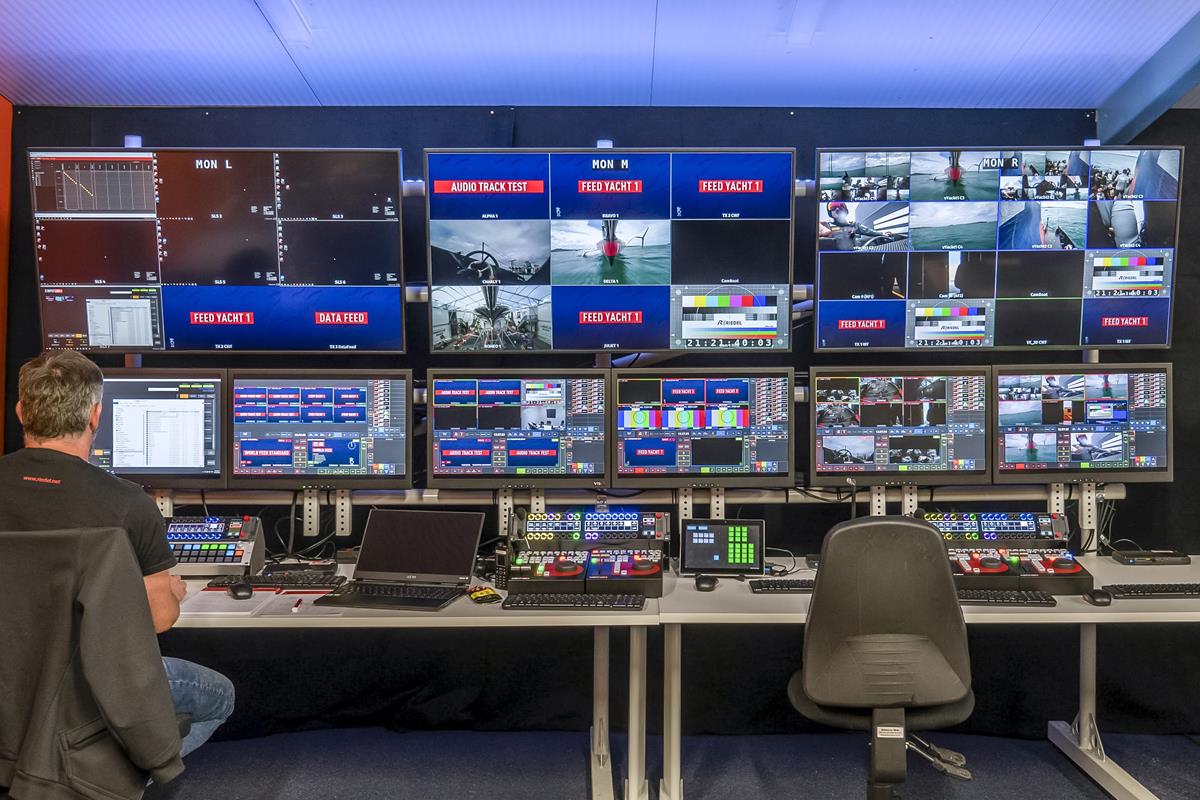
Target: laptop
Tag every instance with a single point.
(412, 560)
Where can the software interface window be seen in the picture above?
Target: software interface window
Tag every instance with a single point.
(948, 249)
(724, 427)
(496, 426)
(900, 425)
(219, 250)
(610, 250)
(320, 427)
(160, 426)
(1083, 422)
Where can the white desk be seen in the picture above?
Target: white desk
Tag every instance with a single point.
(732, 603)
(463, 613)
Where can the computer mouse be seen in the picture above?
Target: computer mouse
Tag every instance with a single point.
(240, 590)
(706, 583)
(1098, 597)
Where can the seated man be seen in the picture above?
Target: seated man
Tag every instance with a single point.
(51, 486)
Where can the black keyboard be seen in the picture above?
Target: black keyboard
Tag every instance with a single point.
(781, 586)
(1004, 597)
(282, 580)
(1132, 590)
(399, 596)
(613, 602)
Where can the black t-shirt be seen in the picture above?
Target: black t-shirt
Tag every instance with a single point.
(46, 490)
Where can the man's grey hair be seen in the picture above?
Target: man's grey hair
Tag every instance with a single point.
(58, 391)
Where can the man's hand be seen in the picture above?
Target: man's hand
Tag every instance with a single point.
(178, 588)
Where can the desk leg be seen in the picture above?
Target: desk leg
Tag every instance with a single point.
(601, 758)
(1081, 740)
(636, 786)
(671, 786)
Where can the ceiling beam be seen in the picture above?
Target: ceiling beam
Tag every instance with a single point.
(1158, 83)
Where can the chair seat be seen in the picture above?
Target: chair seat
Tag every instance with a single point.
(859, 719)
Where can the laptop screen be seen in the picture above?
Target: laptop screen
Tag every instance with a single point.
(436, 546)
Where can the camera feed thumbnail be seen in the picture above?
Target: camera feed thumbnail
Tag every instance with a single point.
(951, 274)
(611, 252)
(1044, 175)
(863, 226)
(1145, 273)
(1135, 175)
(1131, 223)
(490, 318)
(952, 226)
(1030, 447)
(489, 252)
(864, 176)
(1043, 225)
(848, 449)
(955, 175)
(863, 276)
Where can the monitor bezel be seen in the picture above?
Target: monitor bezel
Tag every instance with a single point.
(434, 481)
(1077, 475)
(668, 481)
(181, 481)
(29, 151)
(613, 151)
(300, 482)
(995, 348)
(840, 479)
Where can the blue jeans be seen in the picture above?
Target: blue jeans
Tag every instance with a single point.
(205, 694)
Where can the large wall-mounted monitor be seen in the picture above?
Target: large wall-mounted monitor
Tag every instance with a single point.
(892, 426)
(590, 250)
(343, 429)
(703, 428)
(518, 428)
(1091, 423)
(998, 248)
(219, 250)
(163, 428)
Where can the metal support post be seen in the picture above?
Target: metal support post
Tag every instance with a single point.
(1080, 741)
(683, 504)
(312, 512)
(908, 500)
(716, 503)
(671, 785)
(636, 785)
(1088, 512)
(504, 501)
(165, 500)
(1056, 499)
(878, 501)
(537, 501)
(601, 756)
(343, 513)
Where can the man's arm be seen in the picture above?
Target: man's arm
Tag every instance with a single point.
(164, 591)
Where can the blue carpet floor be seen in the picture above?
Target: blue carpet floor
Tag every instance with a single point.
(370, 764)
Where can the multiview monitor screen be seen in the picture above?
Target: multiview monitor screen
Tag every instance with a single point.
(703, 428)
(518, 428)
(321, 429)
(162, 428)
(916, 425)
(996, 248)
(219, 250)
(1093, 423)
(610, 250)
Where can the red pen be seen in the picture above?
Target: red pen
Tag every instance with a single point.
(296, 607)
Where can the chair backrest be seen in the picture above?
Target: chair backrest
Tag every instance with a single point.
(884, 627)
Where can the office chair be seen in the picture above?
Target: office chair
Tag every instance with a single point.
(885, 646)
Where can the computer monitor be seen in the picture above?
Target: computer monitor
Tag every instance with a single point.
(590, 250)
(250, 250)
(1083, 423)
(703, 428)
(295, 429)
(162, 428)
(518, 428)
(899, 425)
(996, 248)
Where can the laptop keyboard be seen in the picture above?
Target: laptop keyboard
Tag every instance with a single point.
(401, 591)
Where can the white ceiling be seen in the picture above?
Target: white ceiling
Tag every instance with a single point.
(893, 53)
